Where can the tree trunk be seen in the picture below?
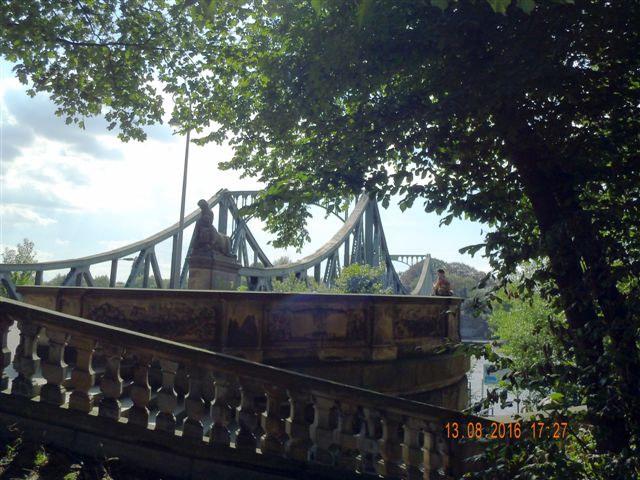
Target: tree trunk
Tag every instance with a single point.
(577, 296)
(616, 314)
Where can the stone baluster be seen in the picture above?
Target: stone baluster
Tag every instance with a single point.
(82, 375)
(247, 415)
(411, 451)
(389, 446)
(221, 411)
(111, 384)
(155, 375)
(429, 457)
(297, 428)
(272, 422)
(140, 391)
(321, 431)
(167, 397)
(435, 452)
(54, 369)
(368, 441)
(344, 437)
(194, 405)
(26, 362)
(181, 383)
(208, 387)
(5, 353)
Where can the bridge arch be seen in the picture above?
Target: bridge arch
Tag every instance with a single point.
(360, 239)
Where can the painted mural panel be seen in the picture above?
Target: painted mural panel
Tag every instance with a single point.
(175, 320)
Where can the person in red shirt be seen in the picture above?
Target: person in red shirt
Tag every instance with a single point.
(442, 286)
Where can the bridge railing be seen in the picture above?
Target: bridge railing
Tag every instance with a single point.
(145, 262)
(199, 397)
(360, 239)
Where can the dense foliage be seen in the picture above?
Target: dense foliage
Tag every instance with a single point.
(541, 373)
(25, 458)
(354, 278)
(524, 328)
(358, 278)
(23, 253)
(528, 122)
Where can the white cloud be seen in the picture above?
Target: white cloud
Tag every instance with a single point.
(16, 215)
(77, 192)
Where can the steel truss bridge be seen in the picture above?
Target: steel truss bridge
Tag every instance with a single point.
(360, 239)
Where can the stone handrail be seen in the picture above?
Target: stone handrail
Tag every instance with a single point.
(167, 388)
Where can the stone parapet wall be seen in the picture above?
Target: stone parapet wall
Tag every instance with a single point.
(270, 327)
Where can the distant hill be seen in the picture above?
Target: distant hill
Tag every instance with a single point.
(464, 279)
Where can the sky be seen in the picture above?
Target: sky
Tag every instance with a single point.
(79, 192)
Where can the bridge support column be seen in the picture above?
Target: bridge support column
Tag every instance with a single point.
(368, 234)
(223, 215)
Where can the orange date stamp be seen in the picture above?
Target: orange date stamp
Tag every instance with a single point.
(506, 431)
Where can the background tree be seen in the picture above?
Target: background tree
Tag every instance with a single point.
(283, 260)
(526, 122)
(359, 278)
(354, 278)
(23, 253)
(540, 373)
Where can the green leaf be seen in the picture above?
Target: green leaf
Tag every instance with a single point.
(499, 6)
(472, 249)
(446, 220)
(556, 397)
(364, 8)
(441, 4)
(318, 5)
(526, 6)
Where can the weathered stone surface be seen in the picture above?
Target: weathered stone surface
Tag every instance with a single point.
(216, 272)
(319, 432)
(385, 343)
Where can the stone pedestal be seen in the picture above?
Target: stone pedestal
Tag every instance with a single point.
(213, 272)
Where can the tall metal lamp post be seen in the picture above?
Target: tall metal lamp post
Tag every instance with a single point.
(176, 261)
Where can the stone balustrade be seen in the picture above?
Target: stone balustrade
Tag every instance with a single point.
(199, 397)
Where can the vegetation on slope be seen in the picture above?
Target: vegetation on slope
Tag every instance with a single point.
(25, 460)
